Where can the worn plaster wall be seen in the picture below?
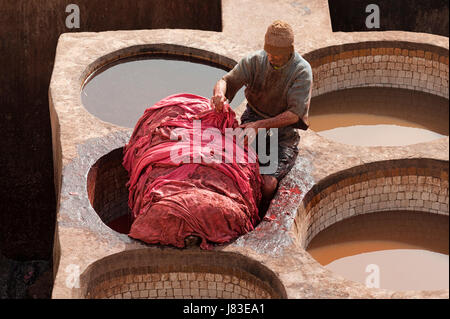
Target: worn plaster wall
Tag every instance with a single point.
(429, 16)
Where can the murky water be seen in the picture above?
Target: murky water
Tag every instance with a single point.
(120, 92)
(379, 116)
(405, 250)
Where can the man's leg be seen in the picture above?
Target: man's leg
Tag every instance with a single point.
(269, 186)
(287, 154)
(286, 160)
(268, 189)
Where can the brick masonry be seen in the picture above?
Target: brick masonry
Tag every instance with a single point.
(179, 285)
(106, 186)
(396, 65)
(180, 275)
(393, 188)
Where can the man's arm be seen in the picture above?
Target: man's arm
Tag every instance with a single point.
(284, 119)
(219, 91)
(231, 82)
(281, 120)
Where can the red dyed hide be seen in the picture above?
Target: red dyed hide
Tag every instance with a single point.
(215, 200)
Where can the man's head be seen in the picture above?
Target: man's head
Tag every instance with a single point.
(279, 43)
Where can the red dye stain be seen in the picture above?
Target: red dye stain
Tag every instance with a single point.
(295, 190)
(270, 218)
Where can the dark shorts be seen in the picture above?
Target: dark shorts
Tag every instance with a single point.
(288, 139)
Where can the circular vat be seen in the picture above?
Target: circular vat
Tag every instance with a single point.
(150, 274)
(380, 93)
(379, 116)
(120, 91)
(107, 191)
(389, 217)
(409, 250)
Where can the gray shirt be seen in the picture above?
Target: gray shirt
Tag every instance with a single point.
(269, 91)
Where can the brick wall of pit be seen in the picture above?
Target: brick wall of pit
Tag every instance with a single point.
(145, 283)
(106, 186)
(403, 185)
(151, 274)
(404, 65)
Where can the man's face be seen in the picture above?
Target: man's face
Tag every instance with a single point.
(278, 60)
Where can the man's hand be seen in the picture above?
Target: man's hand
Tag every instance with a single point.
(250, 130)
(218, 101)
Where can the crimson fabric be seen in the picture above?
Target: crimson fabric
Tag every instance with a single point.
(216, 200)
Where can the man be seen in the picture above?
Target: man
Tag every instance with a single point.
(278, 91)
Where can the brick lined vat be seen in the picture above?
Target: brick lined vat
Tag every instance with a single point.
(191, 274)
(409, 185)
(396, 64)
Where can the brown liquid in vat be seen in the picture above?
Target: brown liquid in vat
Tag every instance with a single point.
(410, 248)
(379, 116)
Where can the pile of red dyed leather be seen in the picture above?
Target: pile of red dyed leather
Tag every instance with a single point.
(217, 201)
